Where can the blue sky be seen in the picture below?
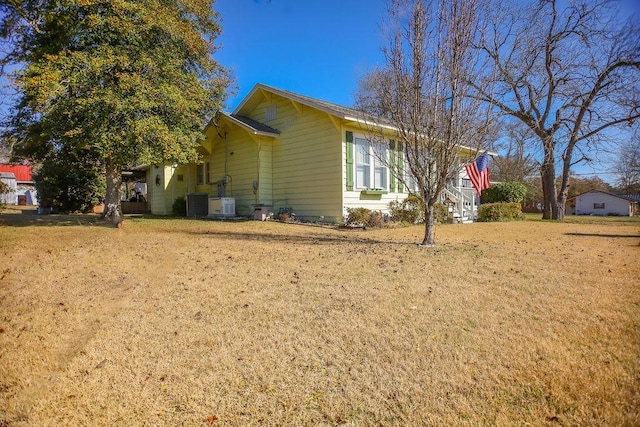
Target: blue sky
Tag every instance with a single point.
(318, 48)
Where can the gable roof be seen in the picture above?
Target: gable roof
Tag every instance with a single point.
(327, 107)
(349, 114)
(252, 100)
(634, 198)
(251, 125)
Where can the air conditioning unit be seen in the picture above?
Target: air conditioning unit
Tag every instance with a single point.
(222, 206)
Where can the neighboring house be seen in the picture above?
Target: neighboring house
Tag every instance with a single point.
(284, 152)
(598, 202)
(22, 184)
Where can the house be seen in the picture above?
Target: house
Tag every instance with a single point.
(284, 152)
(20, 180)
(598, 202)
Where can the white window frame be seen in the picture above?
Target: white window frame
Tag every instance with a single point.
(203, 173)
(370, 172)
(410, 182)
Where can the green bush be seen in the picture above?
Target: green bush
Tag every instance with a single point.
(409, 210)
(70, 181)
(364, 217)
(509, 192)
(179, 207)
(489, 212)
(440, 213)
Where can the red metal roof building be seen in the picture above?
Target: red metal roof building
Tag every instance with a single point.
(22, 172)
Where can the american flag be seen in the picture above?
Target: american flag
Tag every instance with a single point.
(478, 172)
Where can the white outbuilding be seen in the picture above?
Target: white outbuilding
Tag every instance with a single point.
(598, 202)
(10, 197)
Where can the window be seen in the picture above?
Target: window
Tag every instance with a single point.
(410, 180)
(379, 169)
(598, 206)
(363, 164)
(370, 171)
(202, 173)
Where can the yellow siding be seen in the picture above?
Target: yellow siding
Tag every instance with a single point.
(156, 190)
(307, 170)
(241, 154)
(162, 196)
(265, 179)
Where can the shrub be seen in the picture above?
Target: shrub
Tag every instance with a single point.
(364, 217)
(70, 181)
(179, 206)
(509, 192)
(410, 210)
(440, 213)
(489, 212)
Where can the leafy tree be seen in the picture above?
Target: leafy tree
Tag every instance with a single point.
(421, 92)
(582, 185)
(569, 75)
(131, 81)
(70, 181)
(534, 198)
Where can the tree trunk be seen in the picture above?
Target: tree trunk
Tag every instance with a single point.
(429, 227)
(564, 183)
(548, 174)
(112, 209)
(562, 197)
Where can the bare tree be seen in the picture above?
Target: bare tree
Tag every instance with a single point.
(628, 166)
(569, 75)
(518, 162)
(420, 97)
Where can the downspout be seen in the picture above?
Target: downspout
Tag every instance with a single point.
(257, 186)
(226, 158)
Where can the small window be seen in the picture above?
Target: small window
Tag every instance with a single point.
(180, 178)
(202, 173)
(598, 206)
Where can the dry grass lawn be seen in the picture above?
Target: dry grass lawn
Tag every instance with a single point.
(181, 322)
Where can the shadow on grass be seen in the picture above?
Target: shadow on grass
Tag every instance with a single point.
(615, 236)
(51, 220)
(334, 236)
(28, 216)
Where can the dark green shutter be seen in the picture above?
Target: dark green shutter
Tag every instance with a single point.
(349, 147)
(393, 170)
